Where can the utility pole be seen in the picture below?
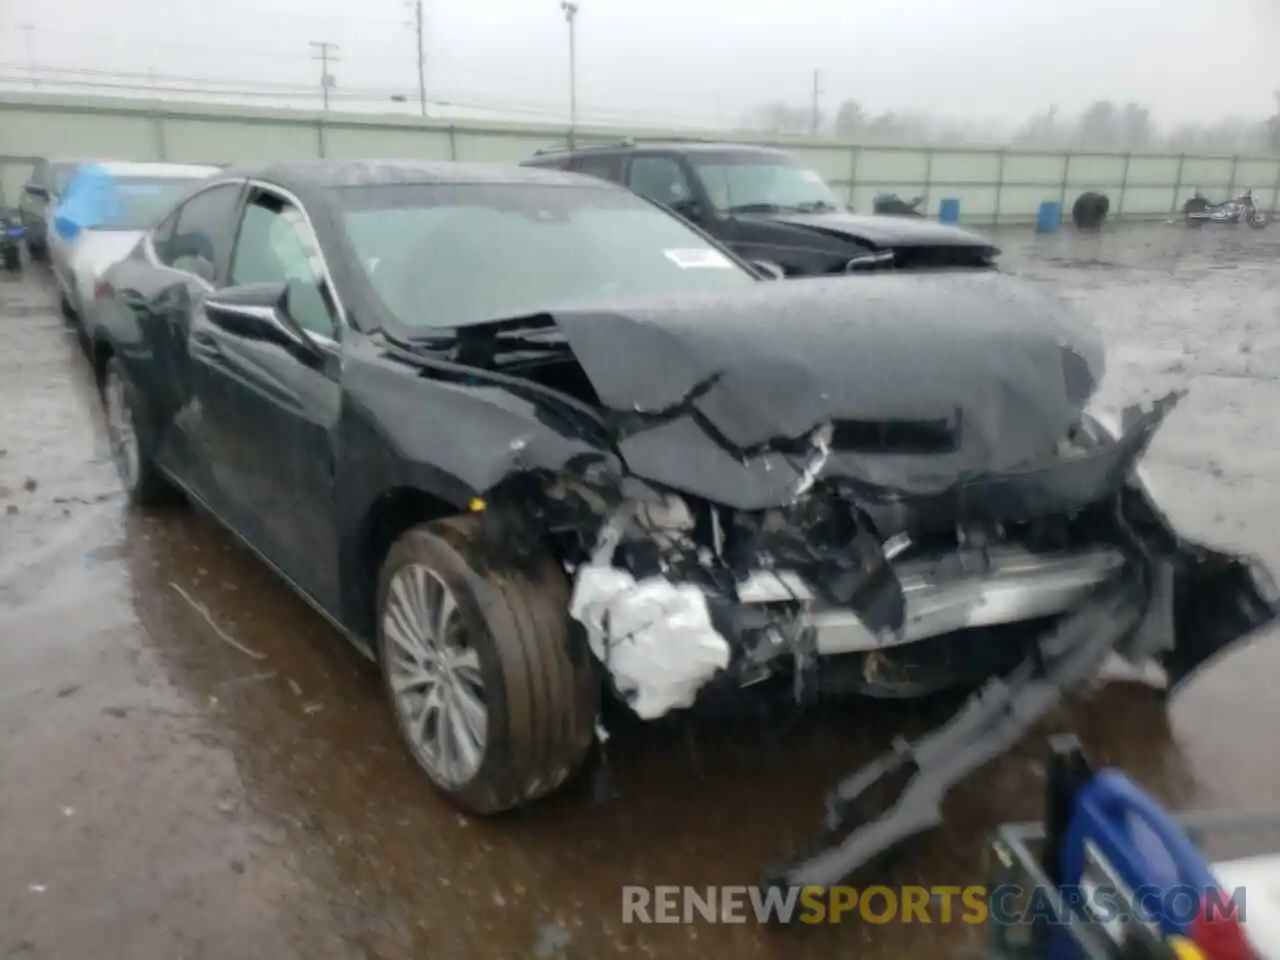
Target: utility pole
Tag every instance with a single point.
(422, 57)
(570, 9)
(817, 95)
(28, 30)
(326, 53)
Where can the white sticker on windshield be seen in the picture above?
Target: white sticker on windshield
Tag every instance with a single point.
(811, 176)
(698, 258)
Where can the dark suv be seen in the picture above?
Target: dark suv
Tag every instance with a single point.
(769, 208)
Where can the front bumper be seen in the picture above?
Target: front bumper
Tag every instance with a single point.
(948, 593)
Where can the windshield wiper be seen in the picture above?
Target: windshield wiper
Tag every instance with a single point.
(755, 208)
(815, 206)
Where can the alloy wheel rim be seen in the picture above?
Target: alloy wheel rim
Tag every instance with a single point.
(120, 431)
(434, 675)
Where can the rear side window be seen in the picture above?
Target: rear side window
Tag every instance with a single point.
(604, 166)
(201, 237)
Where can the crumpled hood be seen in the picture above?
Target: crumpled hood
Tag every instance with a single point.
(884, 231)
(704, 386)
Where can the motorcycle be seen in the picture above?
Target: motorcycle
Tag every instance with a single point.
(1242, 208)
(12, 232)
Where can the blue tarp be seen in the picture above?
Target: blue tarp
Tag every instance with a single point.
(91, 198)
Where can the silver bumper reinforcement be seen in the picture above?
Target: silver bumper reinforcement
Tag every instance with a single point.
(944, 594)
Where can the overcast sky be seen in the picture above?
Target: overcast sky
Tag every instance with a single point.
(971, 59)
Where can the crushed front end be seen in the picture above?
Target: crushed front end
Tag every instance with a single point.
(1019, 585)
(890, 494)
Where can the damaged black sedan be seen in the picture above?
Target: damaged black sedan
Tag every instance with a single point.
(527, 439)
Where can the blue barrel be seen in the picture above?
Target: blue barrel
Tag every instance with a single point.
(949, 210)
(1141, 843)
(1049, 217)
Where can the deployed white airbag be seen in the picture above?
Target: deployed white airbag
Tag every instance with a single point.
(654, 637)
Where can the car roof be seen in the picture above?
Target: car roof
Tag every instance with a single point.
(674, 144)
(158, 169)
(319, 175)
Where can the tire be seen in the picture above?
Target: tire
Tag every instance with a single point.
(132, 449)
(12, 258)
(1090, 210)
(1195, 205)
(514, 650)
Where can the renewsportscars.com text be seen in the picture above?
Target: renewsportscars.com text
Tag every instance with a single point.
(974, 904)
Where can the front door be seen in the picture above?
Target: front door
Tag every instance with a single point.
(270, 406)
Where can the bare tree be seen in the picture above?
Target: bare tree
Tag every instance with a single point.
(1098, 126)
(1273, 125)
(778, 117)
(850, 119)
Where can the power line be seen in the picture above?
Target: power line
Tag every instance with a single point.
(152, 77)
(324, 51)
(223, 53)
(153, 84)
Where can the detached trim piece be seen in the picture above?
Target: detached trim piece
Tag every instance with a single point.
(984, 728)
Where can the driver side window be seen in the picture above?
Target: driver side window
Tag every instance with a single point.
(661, 179)
(275, 245)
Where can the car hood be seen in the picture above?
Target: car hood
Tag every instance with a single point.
(884, 231)
(926, 379)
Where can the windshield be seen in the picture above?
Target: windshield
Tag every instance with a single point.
(448, 255)
(139, 202)
(761, 183)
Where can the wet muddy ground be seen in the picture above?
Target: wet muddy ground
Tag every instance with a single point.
(165, 794)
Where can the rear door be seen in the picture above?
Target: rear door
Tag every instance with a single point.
(191, 248)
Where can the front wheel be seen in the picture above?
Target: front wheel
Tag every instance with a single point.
(494, 692)
(131, 440)
(1256, 219)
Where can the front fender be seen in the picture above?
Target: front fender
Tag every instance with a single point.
(404, 427)
(118, 331)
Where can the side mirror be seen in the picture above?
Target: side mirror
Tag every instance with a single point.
(258, 311)
(689, 209)
(35, 190)
(769, 270)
